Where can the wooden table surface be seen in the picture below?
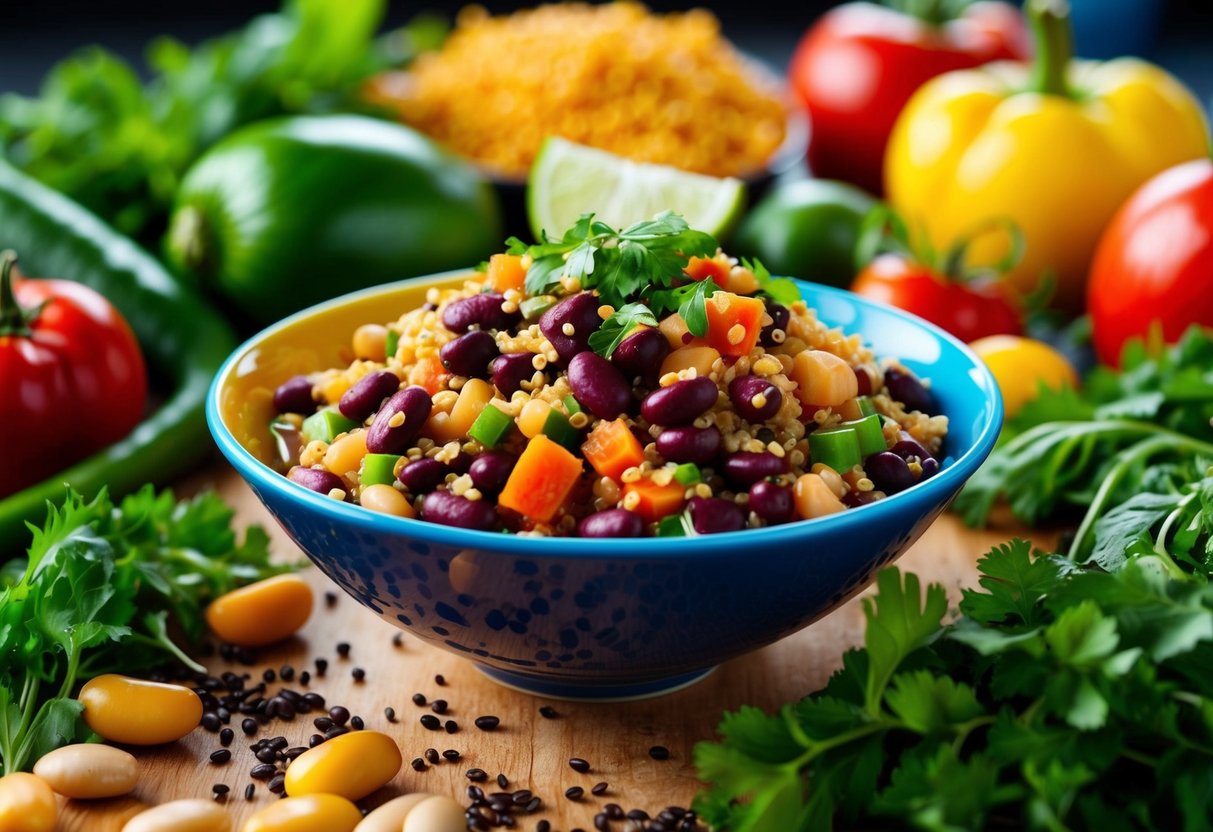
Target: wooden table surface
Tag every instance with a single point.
(530, 750)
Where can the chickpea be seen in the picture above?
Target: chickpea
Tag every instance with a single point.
(387, 500)
(27, 804)
(814, 498)
(352, 765)
(194, 815)
(370, 342)
(309, 813)
(261, 613)
(88, 771)
(135, 712)
(345, 454)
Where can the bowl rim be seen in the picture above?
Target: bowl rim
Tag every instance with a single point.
(260, 476)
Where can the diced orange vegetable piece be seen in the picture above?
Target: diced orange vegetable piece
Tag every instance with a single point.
(734, 322)
(824, 379)
(700, 357)
(505, 273)
(429, 373)
(448, 427)
(674, 328)
(541, 480)
(533, 417)
(716, 268)
(612, 448)
(656, 501)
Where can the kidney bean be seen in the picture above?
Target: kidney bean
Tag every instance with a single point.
(423, 475)
(908, 390)
(690, 444)
(469, 354)
(640, 355)
(316, 479)
(449, 509)
(615, 522)
(483, 310)
(888, 472)
(580, 311)
(907, 446)
(771, 502)
(743, 390)
(930, 467)
(598, 386)
(367, 394)
(510, 370)
(490, 470)
(711, 515)
(780, 316)
(863, 381)
(295, 396)
(747, 467)
(855, 499)
(385, 437)
(680, 403)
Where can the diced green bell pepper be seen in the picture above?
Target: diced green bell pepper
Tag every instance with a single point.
(688, 473)
(571, 404)
(326, 425)
(869, 433)
(532, 308)
(675, 525)
(557, 428)
(837, 447)
(392, 343)
(490, 427)
(379, 469)
(865, 405)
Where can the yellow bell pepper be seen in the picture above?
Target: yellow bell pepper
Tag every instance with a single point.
(1055, 147)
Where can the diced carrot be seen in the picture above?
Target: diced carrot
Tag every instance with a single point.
(612, 448)
(734, 322)
(429, 373)
(541, 480)
(655, 501)
(717, 268)
(697, 355)
(506, 272)
(674, 328)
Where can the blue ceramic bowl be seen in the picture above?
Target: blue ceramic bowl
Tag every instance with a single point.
(602, 619)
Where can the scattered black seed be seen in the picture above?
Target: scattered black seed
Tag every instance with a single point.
(221, 757)
(602, 823)
(451, 755)
(574, 792)
(277, 784)
(220, 789)
(343, 649)
(314, 700)
(599, 789)
(278, 743)
(226, 736)
(322, 723)
(339, 714)
(419, 764)
(330, 599)
(475, 794)
(210, 722)
(431, 755)
(287, 673)
(398, 640)
(357, 723)
(248, 791)
(543, 826)
(502, 781)
(322, 665)
(438, 706)
(487, 723)
(359, 674)
(248, 726)
(659, 752)
(613, 811)
(336, 731)
(579, 765)
(477, 775)
(269, 675)
(419, 699)
(452, 727)
(389, 713)
(521, 797)
(533, 805)
(314, 740)
(439, 680)
(548, 712)
(305, 678)
(264, 771)
(292, 753)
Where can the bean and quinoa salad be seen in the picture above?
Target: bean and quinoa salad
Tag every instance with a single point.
(610, 383)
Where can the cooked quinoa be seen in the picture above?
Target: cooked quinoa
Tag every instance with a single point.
(744, 457)
(667, 89)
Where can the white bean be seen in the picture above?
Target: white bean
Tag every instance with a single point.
(438, 814)
(88, 770)
(390, 816)
(195, 815)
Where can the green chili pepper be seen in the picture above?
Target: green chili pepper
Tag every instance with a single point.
(183, 340)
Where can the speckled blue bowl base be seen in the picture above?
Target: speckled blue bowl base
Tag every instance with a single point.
(616, 619)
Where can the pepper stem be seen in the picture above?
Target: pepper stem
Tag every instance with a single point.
(1054, 42)
(13, 319)
(933, 12)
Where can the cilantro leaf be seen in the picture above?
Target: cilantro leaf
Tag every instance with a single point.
(779, 289)
(900, 621)
(607, 338)
(1014, 584)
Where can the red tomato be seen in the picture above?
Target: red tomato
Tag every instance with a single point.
(72, 373)
(1154, 264)
(968, 310)
(856, 68)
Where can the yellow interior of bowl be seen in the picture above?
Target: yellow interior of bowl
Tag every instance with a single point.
(316, 339)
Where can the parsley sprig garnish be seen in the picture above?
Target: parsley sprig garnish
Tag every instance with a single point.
(639, 271)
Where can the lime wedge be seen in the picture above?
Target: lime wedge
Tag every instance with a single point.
(568, 180)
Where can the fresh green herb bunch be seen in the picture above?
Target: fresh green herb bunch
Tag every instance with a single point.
(96, 595)
(638, 271)
(1065, 698)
